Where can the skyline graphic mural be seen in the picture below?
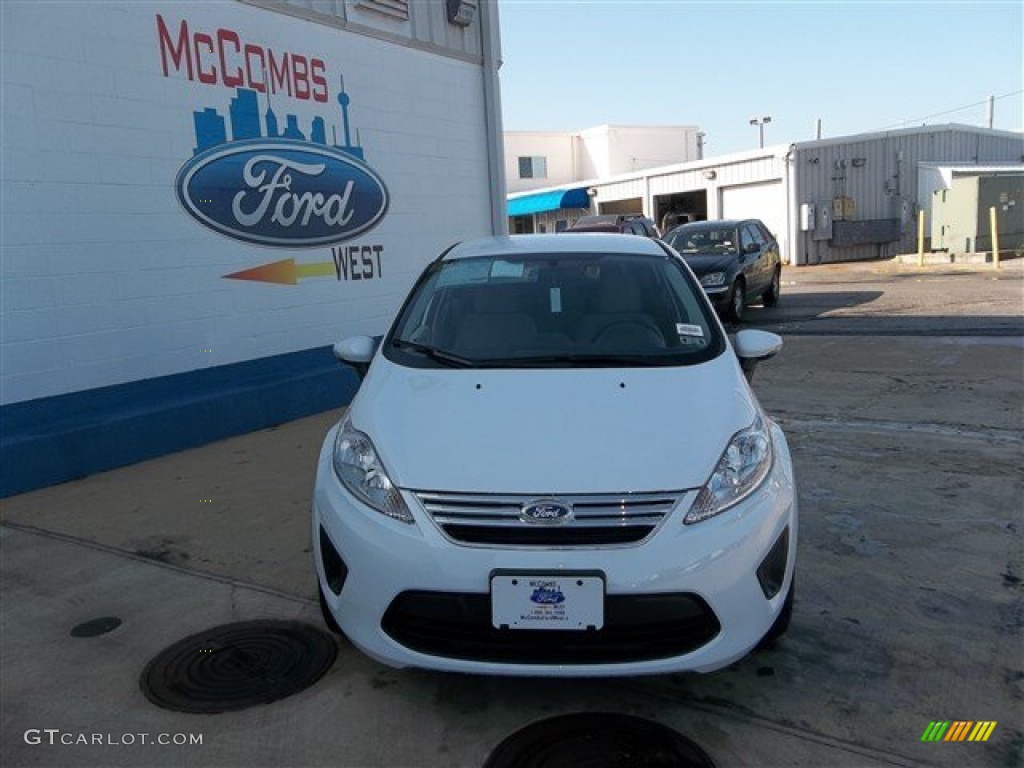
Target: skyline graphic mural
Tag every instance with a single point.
(211, 129)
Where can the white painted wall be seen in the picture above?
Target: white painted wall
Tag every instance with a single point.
(619, 149)
(595, 153)
(105, 279)
(557, 147)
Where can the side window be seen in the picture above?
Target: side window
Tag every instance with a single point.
(533, 167)
(745, 238)
(750, 234)
(765, 232)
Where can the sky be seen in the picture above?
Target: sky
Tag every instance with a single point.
(859, 66)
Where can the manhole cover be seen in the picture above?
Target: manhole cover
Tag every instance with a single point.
(96, 627)
(235, 666)
(597, 740)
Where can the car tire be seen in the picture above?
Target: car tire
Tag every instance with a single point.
(771, 296)
(328, 616)
(737, 302)
(781, 623)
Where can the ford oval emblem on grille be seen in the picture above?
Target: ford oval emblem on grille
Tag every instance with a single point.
(546, 512)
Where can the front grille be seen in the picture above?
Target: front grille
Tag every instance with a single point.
(636, 628)
(598, 520)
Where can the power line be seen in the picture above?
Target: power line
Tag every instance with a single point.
(903, 123)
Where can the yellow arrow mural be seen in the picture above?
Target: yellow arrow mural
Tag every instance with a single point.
(285, 272)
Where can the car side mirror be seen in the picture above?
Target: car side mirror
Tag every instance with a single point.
(751, 248)
(357, 351)
(753, 347)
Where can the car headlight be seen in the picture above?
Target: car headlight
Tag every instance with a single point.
(713, 279)
(360, 470)
(742, 468)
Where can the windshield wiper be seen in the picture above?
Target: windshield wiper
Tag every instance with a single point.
(439, 355)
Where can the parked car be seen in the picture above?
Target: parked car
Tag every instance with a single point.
(555, 466)
(625, 224)
(737, 262)
(673, 219)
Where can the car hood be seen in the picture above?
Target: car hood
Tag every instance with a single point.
(550, 431)
(703, 263)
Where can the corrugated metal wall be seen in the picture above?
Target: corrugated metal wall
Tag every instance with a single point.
(880, 175)
(622, 190)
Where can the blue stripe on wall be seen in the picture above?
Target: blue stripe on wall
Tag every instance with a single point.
(55, 439)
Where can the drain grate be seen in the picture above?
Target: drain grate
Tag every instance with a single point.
(597, 740)
(235, 666)
(96, 627)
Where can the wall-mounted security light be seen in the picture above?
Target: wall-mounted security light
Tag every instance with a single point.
(461, 12)
(859, 162)
(709, 174)
(592, 191)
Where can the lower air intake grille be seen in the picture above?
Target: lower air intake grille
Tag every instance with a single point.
(636, 628)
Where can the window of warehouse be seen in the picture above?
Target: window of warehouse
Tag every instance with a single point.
(533, 167)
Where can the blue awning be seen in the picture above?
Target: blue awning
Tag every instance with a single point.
(549, 201)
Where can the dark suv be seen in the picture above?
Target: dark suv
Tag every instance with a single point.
(736, 261)
(628, 224)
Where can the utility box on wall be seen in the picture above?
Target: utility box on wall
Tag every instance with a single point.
(961, 219)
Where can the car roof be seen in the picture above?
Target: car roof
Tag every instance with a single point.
(600, 218)
(596, 227)
(563, 242)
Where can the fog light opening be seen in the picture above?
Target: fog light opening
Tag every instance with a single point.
(772, 571)
(335, 570)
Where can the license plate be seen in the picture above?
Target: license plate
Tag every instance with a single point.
(547, 601)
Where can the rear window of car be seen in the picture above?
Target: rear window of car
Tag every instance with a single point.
(555, 310)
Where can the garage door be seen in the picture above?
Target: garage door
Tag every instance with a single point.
(766, 202)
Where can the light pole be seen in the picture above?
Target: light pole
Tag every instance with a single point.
(760, 122)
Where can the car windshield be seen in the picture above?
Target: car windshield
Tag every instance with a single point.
(704, 240)
(555, 310)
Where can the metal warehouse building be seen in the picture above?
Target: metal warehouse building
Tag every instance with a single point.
(842, 199)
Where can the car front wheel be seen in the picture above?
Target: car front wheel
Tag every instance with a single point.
(771, 296)
(737, 302)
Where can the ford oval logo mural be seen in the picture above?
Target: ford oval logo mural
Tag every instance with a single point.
(282, 193)
(546, 511)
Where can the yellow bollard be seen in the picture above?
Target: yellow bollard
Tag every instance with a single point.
(920, 238)
(995, 236)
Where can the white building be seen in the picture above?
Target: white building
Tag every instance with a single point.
(199, 198)
(840, 199)
(536, 159)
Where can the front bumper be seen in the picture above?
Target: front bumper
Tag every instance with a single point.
(713, 562)
(719, 295)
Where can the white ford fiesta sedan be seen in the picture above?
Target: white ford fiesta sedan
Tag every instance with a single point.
(555, 466)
